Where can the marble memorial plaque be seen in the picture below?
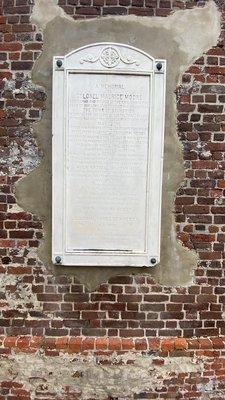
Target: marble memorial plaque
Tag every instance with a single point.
(107, 156)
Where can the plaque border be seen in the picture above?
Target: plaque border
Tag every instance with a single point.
(110, 58)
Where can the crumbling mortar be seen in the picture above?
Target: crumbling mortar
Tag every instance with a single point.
(85, 375)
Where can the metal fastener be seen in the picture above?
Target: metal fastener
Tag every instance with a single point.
(153, 260)
(59, 63)
(58, 260)
(159, 66)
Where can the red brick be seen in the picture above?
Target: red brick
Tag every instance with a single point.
(35, 342)
(127, 344)
(101, 343)
(196, 209)
(2, 19)
(203, 238)
(115, 343)
(156, 298)
(205, 343)
(21, 65)
(88, 343)
(20, 270)
(167, 345)
(218, 343)
(10, 46)
(62, 342)
(121, 280)
(215, 70)
(180, 344)
(181, 298)
(88, 11)
(10, 341)
(23, 342)
(75, 344)
(23, 28)
(154, 343)
(7, 243)
(141, 344)
(209, 108)
(19, 234)
(114, 10)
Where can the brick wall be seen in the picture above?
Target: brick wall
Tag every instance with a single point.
(40, 311)
(160, 8)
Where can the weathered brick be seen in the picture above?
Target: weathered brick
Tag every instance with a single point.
(120, 314)
(21, 65)
(168, 345)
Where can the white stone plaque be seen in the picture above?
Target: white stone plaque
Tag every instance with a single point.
(108, 122)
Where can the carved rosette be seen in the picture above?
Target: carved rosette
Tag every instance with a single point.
(109, 57)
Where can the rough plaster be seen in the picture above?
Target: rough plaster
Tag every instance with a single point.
(14, 293)
(44, 12)
(180, 38)
(91, 379)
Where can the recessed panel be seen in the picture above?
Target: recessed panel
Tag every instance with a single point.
(107, 151)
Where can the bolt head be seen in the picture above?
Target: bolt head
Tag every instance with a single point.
(59, 63)
(58, 260)
(159, 66)
(153, 261)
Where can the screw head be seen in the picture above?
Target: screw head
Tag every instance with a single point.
(59, 63)
(153, 260)
(159, 66)
(58, 260)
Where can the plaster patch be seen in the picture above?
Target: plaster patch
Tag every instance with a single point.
(21, 157)
(45, 11)
(90, 379)
(170, 38)
(195, 30)
(21, 296)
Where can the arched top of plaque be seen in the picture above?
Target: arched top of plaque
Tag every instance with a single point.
(109, 57)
